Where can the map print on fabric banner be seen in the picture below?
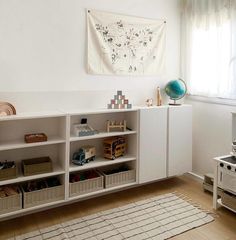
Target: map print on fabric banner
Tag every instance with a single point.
(125, 45)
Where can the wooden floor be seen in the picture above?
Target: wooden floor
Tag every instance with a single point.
(223, 228)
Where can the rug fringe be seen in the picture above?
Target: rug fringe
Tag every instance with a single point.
(195, 204)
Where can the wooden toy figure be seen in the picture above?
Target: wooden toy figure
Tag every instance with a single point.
(116, 125)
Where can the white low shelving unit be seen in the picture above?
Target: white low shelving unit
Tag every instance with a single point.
(61, 145)
(149, 144)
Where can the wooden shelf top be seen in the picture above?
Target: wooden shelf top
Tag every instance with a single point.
(99, 110)
(33, 115)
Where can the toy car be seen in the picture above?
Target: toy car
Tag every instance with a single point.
(84, 155)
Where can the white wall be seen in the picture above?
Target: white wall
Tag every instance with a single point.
(43, 50)
(211, 134)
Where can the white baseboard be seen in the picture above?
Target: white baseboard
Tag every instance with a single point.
(196, 175)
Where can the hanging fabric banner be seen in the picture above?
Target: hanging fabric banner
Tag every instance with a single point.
(125, 45)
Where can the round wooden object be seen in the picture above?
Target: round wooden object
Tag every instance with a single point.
(7, 109)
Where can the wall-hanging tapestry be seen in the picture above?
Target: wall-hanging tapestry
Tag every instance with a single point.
(125, 45)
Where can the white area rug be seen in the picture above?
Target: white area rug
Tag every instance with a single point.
(157, 218)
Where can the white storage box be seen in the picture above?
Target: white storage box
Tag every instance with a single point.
(11, 203)
(120, 178)
(87, 186)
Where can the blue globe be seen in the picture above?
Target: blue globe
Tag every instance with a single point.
(176, 89)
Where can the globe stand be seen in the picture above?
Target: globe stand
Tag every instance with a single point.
(174, 103)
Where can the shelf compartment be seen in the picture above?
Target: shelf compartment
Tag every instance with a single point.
(56, 153)
(87, 186)
(57, 171)
(17, 144)
(13, 132)
(101, 162)
(11, 203)
(101, 135)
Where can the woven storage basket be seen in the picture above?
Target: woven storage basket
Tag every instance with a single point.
(86, 186)
(229, 200)
(46, 195)
(120, 178)
(8, 173)
(36, 166)
(11, 203)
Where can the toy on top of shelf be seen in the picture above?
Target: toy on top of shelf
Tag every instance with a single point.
(83, 129)
(149, 102)
(114, 125)
(84, 155)
(7, 109)
(159, 98)
(119, 102)
(35, 137)
(114, 147)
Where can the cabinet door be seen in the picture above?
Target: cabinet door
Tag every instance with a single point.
(179, 140)
(153, 143)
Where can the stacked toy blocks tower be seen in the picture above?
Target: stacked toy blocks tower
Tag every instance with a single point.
(119, 102)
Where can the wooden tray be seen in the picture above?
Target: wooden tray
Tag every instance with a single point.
(36, 166)
(36, 137)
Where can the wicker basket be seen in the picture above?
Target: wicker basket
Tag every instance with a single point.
(46, 195)
(11, 203)
(229, 200)
(87, 186)
(8, 173)
(36, 166)
(120, 178)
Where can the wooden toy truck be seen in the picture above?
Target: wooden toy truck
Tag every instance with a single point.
(114, 147)
(84, 155)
